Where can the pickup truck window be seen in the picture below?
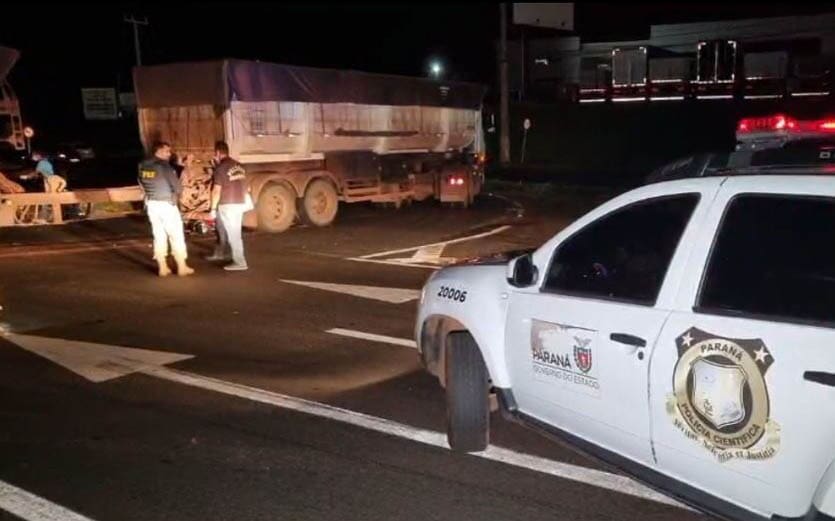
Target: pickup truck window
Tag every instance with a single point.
(623, 255)
(774, 256)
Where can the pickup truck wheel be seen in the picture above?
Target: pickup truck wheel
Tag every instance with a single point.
(467, 395)
(320, 203)
(276, 208)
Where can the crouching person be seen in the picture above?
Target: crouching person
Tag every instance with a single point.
(162, 190)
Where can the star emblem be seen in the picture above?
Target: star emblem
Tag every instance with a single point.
(686, 340)
(761, 354)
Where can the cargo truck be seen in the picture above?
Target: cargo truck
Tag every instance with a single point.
(312, 139)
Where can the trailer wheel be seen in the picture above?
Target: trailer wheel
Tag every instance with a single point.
(276, 208)
(320, 203)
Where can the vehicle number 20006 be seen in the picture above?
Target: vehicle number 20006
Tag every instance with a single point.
(452, 294)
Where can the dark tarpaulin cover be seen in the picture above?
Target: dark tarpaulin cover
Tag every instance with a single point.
(8, 57)
(218, 83)
(181, 84)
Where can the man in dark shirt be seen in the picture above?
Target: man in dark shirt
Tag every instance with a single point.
(162, 188)
(229, 203)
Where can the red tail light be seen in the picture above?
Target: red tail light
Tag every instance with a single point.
(827, 125)
(782, 122)
(769, 123)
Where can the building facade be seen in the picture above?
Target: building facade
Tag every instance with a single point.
(762, 58)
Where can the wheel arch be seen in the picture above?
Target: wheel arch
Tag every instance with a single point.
(434, 341)
(824, 498)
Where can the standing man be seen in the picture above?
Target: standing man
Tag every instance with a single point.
(162, 190)
(229, 197)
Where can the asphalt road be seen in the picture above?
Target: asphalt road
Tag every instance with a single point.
(218, 436)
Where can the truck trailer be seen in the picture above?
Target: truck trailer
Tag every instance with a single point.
(313, 138)
(11, 125)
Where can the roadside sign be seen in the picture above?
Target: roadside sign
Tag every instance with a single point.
(28, 132)
(100, 104)
(127, 100)
(551, 15)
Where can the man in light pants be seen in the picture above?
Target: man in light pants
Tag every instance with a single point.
(162, 189)
(229, 203)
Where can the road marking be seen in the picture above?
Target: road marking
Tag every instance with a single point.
(30, 507)
(37, 251)
(130, 361)
(596, 478)
(405, 342)
(398, 262)
(390, 295)
(425, 253)
(500, 229)
(431, 254)
(95, 362)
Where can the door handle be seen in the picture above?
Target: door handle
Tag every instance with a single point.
(820, 377)
(630, 340)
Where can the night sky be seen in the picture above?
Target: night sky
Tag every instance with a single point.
(66, 47)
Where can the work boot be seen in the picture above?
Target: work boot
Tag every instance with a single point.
(183, 269)
(164, 270)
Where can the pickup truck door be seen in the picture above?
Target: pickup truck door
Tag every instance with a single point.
(742, 376)
(578, 344)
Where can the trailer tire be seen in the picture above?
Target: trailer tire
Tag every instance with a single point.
(320, 203)
(276, 208)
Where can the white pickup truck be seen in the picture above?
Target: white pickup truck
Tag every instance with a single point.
(683, 332)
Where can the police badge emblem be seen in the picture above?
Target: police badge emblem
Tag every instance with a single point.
(720, 395)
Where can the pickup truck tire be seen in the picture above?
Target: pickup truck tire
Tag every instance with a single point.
(276, 208)
(467, 395)
(320, 203)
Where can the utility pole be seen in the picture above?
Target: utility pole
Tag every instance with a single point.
(523, 55)
(136, 23)
(504, 129)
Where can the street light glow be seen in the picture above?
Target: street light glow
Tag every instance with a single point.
(436, 68)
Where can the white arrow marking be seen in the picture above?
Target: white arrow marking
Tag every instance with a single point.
(127, 361)
(405, 262)
(429, 254)
(405, 342)
(425, 255)
(95, 362)
(391, 295)
(30, 507)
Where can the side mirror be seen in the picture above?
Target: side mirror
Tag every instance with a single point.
(522, 272)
